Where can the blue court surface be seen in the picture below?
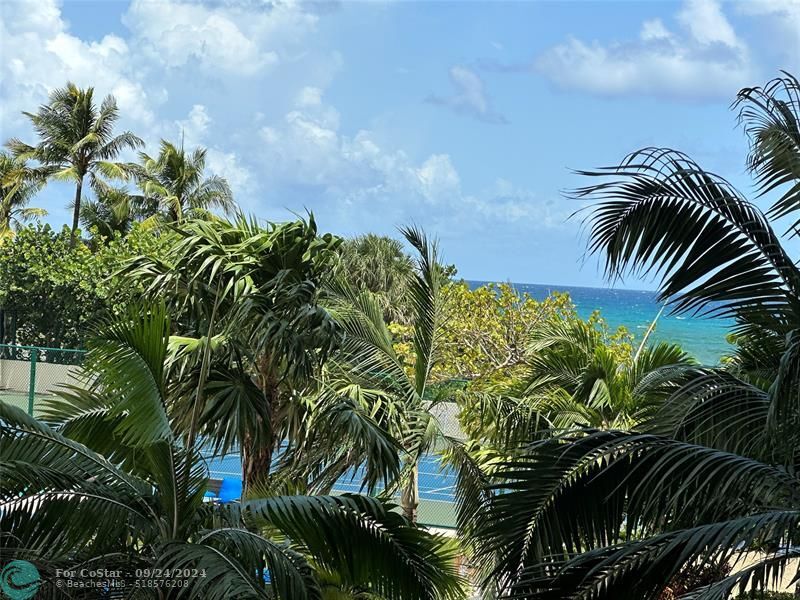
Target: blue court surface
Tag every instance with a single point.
(436, 486)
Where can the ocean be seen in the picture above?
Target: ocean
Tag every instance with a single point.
(702, 337)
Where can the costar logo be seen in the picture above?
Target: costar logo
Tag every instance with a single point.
(19, 580)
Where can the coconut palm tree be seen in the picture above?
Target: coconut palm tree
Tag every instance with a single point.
(580, 376)
(174, 182)
(76, 141)
(18, 184)
(113, 212)
(109, 483)
(713, 475)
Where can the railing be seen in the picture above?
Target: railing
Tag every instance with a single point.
(30, 373)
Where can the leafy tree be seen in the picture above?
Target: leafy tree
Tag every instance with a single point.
(487, 329)
(110, 484)
(57, 290)
(18, 184)
(76, 141)
(714, 474)
(173, 184)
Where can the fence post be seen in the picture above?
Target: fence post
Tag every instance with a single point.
(32, 381)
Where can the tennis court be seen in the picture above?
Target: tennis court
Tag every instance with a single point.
(436, 486)
(22, 400)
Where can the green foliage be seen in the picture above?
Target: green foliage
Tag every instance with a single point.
(378, 264)
(767, 596)
(399, 395)
(246, 299)
(57, 290)
(109, 482)
(486, 330)
(174, 186)
(18, 184)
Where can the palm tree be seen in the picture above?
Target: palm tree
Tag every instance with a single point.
(714, 474)
(369, 372)
(247, 298)
(577, 375)
(77, 141)
(113, 212)
(108, 483)
(580, 376)
(379, 264)
(174, 182)
(18, 184)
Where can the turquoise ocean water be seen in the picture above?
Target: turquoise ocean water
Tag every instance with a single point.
(702, 337)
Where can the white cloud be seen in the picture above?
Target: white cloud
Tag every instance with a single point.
(782, 18)
(707, 24)
(240, 38)
(654, 30)
(438, 178)
(704, 59)
(193, 128)
(229, 166)
(309, 96)
(470, 97)
(40, 54)
(357, 177)
(194, 131)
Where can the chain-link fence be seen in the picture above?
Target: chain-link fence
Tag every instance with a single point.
(29, 374)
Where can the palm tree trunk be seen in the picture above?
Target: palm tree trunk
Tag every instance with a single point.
(409, 500)
(76, 210)
(256, 463)
(257, 458)
(5, 220)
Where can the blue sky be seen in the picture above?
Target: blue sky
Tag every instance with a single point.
(462, 117)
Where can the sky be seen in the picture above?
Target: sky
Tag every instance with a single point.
(465, 118)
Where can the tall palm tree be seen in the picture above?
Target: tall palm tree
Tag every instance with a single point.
(715, 473)
(18, 184)
(103, 485)
(174, 182)
(368, 370)
(76, 141)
